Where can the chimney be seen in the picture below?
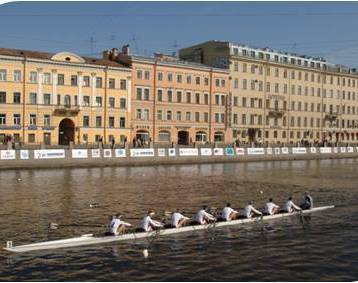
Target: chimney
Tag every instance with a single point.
(125, 49)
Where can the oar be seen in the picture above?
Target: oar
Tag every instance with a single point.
(54, 226)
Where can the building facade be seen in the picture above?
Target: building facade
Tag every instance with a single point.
(177, 102)
(60, 98)
(282, 97)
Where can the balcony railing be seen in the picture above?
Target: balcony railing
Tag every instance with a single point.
(66, 110)
(331, 116)
(276, 112)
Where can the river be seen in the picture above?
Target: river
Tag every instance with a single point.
(323, 247)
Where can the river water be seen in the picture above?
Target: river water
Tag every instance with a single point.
(323, 247)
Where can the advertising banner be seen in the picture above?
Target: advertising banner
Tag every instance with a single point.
(107, 153)
(277, 150)
(284, 150)
(206, 151)
(24, 154)
(171, 152)
(299, 150)
(350, 149)
(49, 153)
(335, 150)
(79, 153)
(325, 150)
(95, 153)
(313, 150)
(239, 151)
(142, 152)
(343, 149)
(188, 152)
(120, 152)
(161, 152)
(218, 151)
(269, 150)
(8, 154)
(255, 150)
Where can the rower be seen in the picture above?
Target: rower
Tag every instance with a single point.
(271, 208)
(148, 224)
(228, 213)
(251, 211)
(178, 219)
(203, 217)
(117, 226)
(307, 201)
(290, 206)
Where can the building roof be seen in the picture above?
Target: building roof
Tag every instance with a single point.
(49, 56)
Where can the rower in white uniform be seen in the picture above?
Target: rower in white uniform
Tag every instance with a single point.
(202, 217)
(290, 206)
(251, 211)
(228, 213)
(178, 219)
(271, 208)
(148, 224)
(307, 201)
(117, 226)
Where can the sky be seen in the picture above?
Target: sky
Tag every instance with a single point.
(327, 29)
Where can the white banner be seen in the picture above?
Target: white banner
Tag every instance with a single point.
(343, 149)
(277, 150)
(49, 153)
(171, 152)
(8, 154)
(335, 150)
(95, 153)
(255, 150)
(218, 151)
(142, 152)
(269, 150)
(188, 152)
(206, 151)
(107, 153)
(120, 152)
(325, 150)
(350, 149)
(24, 154)
(240, 151)
(79, 153)
(284, 150)
(299, 150)
(161, 152)
(313, 150)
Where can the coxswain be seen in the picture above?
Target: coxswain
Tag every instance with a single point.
(148, 224)
(228, 213)
(251, 211)
(203, 217)
(290, 206)
(307, 201)
(178, 219)
(117, 226)
(271, 208)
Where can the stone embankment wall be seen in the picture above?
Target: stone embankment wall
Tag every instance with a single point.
(60, 158)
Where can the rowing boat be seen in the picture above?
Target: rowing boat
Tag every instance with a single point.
(90, 239)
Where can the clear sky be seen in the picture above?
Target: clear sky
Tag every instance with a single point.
(327, 29)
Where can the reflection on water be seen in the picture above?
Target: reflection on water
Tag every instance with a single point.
(288, 249)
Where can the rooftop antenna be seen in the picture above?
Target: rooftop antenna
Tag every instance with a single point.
(113, 36)
(92, 42)
(175, 47)
(134, 41)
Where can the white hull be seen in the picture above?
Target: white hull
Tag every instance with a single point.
(86, 240)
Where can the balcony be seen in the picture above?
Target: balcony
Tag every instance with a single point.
(66, 110)
(331, 116)
(276, 113)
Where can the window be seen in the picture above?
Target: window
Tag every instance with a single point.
(217, 82)
(169, 115)
(197, 80)
(188, 116)
(17, 75)
(188, 79)
(61, 79)
(218, 137)
(47, 78)
(123, 84)
(112, 83)
(188, 97)
(139, 94)
(98, 121)
(234, 119)
(236, 66)
(236, 83)
(58, 99)
(73, 80)
(122, 122)
(86, 121)
(146, 94)
(217, 98)
(33, 77)
(164, 136)
(160, 95)
(139, 74)
(122, 103)
(159, 115)
(47, 99)
(145, 114)
(179, 78)
(244, 84)
(2, 97)
(98, 82)
(111, 122)
(170, 77)
(2, 75)
(139, 114)
(86, 100)
(197, 98)
(47, 120)
(98, 101)
(200, 137)
(111, 101)
(206, 81)
(17, 98)
(179, 98)
(160, 76)
(178, 115)
(17, 119)
(197, 117)
(33, 119)
(31, 138)
(33, 98)
(206, 98)
(146, 75)
(2, 119)
(206, 117)
(170, 96)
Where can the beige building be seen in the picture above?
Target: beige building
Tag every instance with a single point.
(58, 98)
(175, 101)
(282, 97)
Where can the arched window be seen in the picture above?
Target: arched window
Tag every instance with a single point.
(200, 137)
(219, 137)
(123, 138)
(164, 136)
(67, 101)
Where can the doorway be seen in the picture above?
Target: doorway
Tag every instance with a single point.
(66, 132)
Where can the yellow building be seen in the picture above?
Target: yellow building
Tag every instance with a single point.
(282, 97)
(61, 98)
